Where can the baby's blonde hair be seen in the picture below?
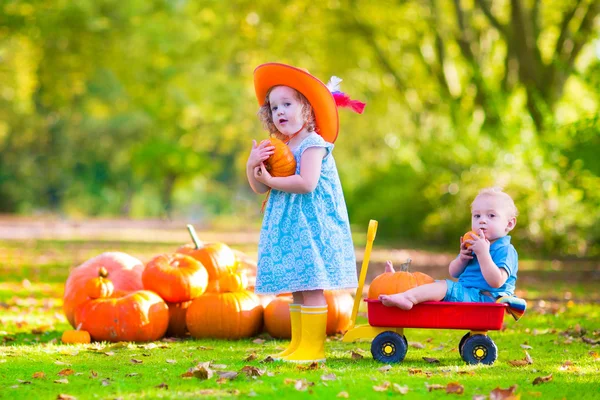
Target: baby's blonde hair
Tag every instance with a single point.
(266, 116)
(499, 193)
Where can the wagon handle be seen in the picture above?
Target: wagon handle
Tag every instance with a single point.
(363, 269)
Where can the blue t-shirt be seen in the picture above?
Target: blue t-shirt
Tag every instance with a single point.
(504, 256)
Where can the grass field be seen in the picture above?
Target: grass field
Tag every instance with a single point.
(551, 353)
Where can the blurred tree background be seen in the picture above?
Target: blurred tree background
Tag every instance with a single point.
(146, 108)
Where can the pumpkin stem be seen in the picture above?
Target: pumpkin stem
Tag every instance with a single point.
(197, 242)
(102, 272)
(404, 267)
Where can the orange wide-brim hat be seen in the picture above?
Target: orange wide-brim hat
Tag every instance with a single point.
(326, 113)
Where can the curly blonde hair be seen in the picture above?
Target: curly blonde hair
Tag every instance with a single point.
(266, 116)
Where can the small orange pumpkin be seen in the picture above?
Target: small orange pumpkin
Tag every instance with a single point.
(277, 317)
(100, 286)
(397, 282)
(232, 315)
(282, 161)
(76, 336)
(175, 277)
(471, 235)
(232, 282)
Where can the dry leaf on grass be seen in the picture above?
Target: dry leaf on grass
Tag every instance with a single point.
(258, 341)
(343, 395)
(520, 363)
(396, 388)
(383, 387)
(431, 360)
(66, 372)
(435, 386)
(105, 382)
(134, 361)
(526, 347)
(65, 381)
(162, 386)
(252, 371)
(302, 384)
(202, 372)
(251, 357)
(93, 374)
(63, 396)
(594, 354)
(542, 379)
(504, 394)
(356, 356)
(268, 359)
(227, 374)
(416, 345)
(38, 375)
(455, 387)
(385, 368)
(329, 377)
(311, 367)
(132, 374)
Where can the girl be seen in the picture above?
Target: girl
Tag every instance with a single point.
(305, 243)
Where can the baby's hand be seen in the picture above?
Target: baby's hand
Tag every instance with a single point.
(466, 255)
(480, 245)
(260, 153)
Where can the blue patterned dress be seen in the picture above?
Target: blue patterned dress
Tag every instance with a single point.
(305, 241)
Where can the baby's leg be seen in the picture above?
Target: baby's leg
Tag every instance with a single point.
(432, 291)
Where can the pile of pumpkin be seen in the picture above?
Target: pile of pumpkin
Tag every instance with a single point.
(201, 289)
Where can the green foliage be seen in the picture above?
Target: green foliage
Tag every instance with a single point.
(146, 108)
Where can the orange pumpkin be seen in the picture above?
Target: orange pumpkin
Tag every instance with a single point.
(232, 282)
(177, 326)
(76, 337)
(339, 311)
(471, 235)
(99, 286)
(216, 257)
(175, 277)
(282, 161)
(397, 281)
(135, 317)
(247, 265)
(232, 315)
(125, 274)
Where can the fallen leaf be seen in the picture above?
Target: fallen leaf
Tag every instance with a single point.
(301, 385)
(61, 363)
(61, 381)
(455, 387)
(431, 360)
(65, 397)
(202, 372)
(218, 366)
(93, 374)
(109, 353)
(416, 345)
(355, 356)
(132, 374)
(593, 354)
(434, 387)
(66, 372)
(227, 374)
(526, 347)
(268, 359)
(466, 372)
(311, 367)
(251, 357)
(396, 388)
(22, 382)
(188, 374)
(385, 368)
(542, 379)
(134, 361)
(329, 377)
(383, 387)
(343, 395)
(162, 386)
(205, 348)
(171, 361)
(479, 397)
(258, 341)
(504, 394)
(38, 375)
(105, 382)
(414, 371)
(252, 371)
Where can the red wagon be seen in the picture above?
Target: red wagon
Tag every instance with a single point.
(386, 324)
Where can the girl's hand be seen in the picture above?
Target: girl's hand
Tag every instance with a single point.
(262, 175)
(466, 255)
(260, 153)
(480, 245)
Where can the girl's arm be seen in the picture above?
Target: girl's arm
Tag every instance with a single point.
(305, 182)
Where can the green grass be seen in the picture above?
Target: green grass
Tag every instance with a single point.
(560, 316)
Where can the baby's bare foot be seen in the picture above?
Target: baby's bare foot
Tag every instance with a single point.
(396, 300)
(389, 267)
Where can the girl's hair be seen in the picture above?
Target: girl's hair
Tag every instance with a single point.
(266, 116)
(499, 193)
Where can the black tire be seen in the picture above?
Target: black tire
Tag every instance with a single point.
(462, 343)
(479, 349)
(389, 347)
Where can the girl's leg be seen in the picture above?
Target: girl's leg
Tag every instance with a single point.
(295, 319)
(313, 324)
(430, 292)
